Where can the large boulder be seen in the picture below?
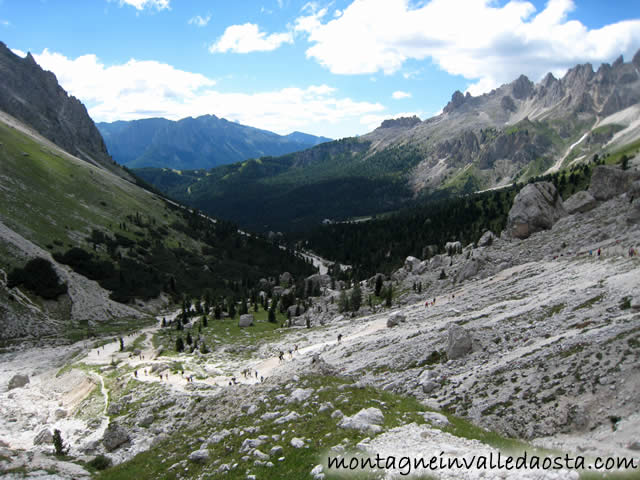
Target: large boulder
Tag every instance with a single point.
(459, 343)
(580, 202)
(366, 420)
(486, 239)
(323, 280)
(395, 319)
(469, 269)
(246, 320)
(634, 214)
(286, 279)
(608, 182)
(453, 248)
(44, 437)
(114, 436)
(199, 456)
(18, 381)
(411, 264)
(296, 310)
(536, 207)
(429, 382)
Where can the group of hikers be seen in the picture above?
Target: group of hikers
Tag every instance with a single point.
(617, 250)
(281, 353)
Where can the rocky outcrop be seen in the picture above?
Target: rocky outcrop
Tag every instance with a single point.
(402, 122)
(366, 420)
(114, 436)
(18, 381)
(486, 239)
(608, 182)
(536, 207)
(459, 342)
(33, 96)
(580, 202)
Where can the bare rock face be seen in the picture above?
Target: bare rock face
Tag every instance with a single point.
(18, 381)
(580, 202)
(608, 182)
(537, 207)
(459, 342)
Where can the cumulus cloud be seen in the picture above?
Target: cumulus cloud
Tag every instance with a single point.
(248, 38)
(199, 21)
(399, 95)
(142, 4)
(481, 40)
(5, 23)
(143, 89)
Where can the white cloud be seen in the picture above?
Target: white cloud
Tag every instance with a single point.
(248, 38)
(142, 4)
(481, 40)
(20, 53)
(199, 21)
(5, 23)
(399, 95)
(143, 89)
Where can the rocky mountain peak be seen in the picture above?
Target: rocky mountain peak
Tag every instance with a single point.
(457, 99)
(548, 80)
(578, 75)
(619, 61)
(522, 87)
(33, 96)
(636, 59)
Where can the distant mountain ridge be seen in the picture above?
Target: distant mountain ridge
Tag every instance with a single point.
(192, 143)
(33, 96)
(512, 134)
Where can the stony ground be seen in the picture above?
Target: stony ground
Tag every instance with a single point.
(537, 340)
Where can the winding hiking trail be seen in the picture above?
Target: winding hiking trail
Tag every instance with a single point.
(144, 362)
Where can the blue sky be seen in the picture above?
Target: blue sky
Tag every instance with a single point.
(335, 68)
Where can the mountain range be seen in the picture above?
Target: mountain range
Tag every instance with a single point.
(193, 143)
(514, 133)
(83, 247)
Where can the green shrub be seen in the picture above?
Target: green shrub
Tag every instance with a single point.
(39, 277)
(101, 462)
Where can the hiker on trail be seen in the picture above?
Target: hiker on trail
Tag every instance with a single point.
(261, 379)
(599, 251)
(434, 300)
(256, 374)
(135, 373)
(281, 356)
(426, 304)
(233, 379)
(291, 353)
(295, 348)
(339, 337)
